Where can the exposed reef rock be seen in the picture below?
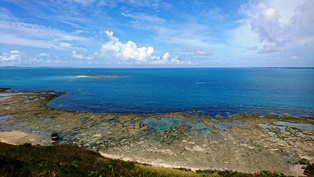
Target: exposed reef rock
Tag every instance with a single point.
(247, 143)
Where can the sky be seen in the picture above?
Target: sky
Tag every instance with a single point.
(157, 33)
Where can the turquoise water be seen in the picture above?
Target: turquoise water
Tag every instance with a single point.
(210, 91)
(163, 124)
(296, 125)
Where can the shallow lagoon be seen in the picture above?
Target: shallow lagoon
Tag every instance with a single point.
(296, 125)
(163, 124)
(212, 91)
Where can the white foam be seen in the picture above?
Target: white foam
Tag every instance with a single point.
(82, 76)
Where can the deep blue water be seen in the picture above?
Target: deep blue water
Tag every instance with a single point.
(209, 91)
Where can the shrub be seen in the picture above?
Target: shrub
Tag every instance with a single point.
(309, 170)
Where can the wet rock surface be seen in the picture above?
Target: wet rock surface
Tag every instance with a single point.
(247, 143)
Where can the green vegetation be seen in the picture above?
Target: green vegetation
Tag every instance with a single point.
(66, 160)
(309, 170)
(63, 160)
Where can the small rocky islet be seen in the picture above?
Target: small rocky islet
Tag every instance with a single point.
(245, 142)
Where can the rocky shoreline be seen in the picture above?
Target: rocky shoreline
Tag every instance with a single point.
(246, 143)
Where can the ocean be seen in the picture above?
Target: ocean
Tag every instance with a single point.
(209, 91)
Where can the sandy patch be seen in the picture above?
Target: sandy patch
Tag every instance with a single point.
(112, 156)
(297, 170)
(156, 164)
(17, 137)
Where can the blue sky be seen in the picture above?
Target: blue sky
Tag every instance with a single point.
(157, 33)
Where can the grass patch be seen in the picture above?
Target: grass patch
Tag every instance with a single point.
(146, 170)
(67, 160)
(64, 160)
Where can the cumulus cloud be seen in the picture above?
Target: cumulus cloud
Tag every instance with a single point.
(269, 29)
(279, 23)
(130, 53)
(165, 59)
(81, 56)
(14, 55)
(303, 22)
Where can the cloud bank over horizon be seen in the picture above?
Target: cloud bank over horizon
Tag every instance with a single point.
(130, 53)
(198, 33)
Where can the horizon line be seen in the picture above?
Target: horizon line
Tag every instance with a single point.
(198, 67)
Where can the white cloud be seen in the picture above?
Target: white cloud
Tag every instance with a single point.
(81, 56)
(27, 34)
(130, 53)
(43, 55)
(14, 55)
(171, 32)
(144, 17)
(266, 24)
(269, 49)
(12, 39)
(77, 56)
(40, 61)
(214, 13)
(252, 47)
(286, 9)
(303, 22)
(236, 39)
(181, 34)
(280, 24)
(203, 53)
(166, 56)
(196, 53)
(6, 15)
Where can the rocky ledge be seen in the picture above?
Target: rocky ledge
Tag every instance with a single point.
(246, 143)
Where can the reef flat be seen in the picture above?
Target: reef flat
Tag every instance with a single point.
(245, 142)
